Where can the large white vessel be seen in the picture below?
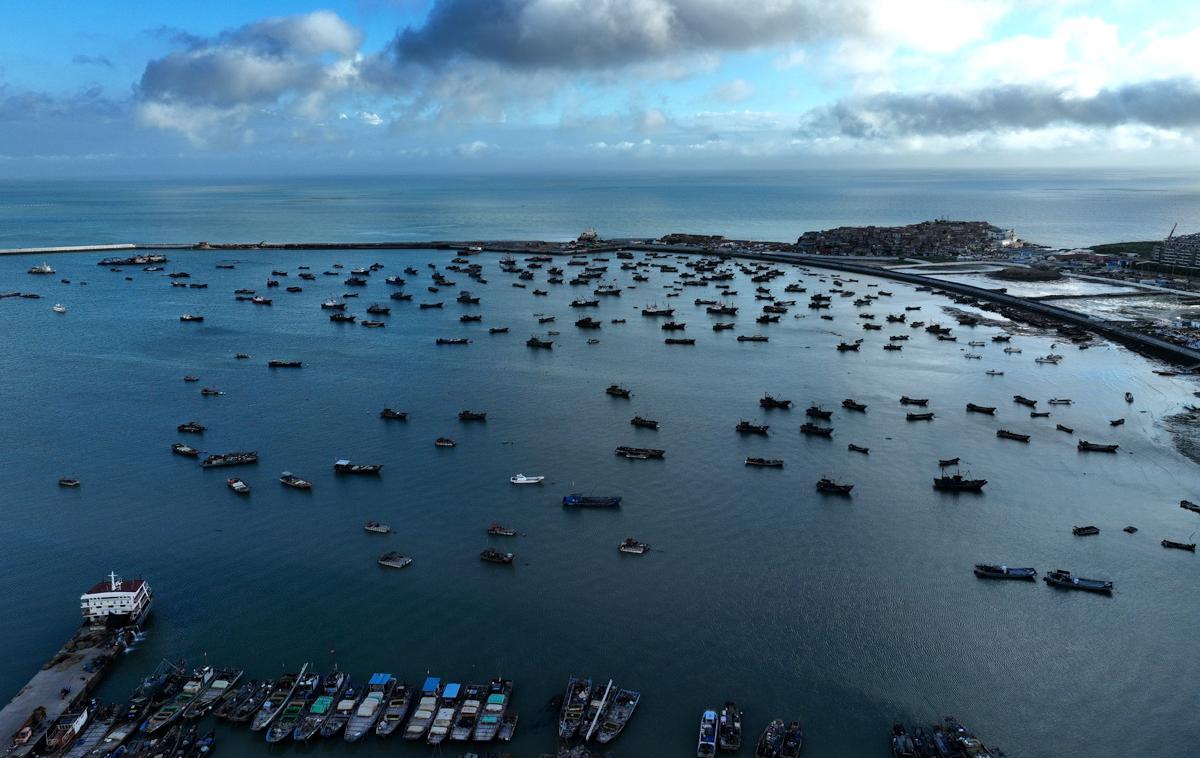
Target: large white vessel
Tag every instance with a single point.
(117, 602)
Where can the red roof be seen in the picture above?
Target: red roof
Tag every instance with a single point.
(127, 585)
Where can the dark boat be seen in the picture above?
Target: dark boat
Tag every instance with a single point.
(771, 741)
(919, 416)
(1085, 531)
(1094, 447)
(643, 423)
(591, 501)
(284, 364)
(765, 462)
(793, 741)
(471, 416)
(850, 405)
(856, 449)
(229, 459)
(614, 390)
(574, 703)
(1189, 546)
(1189, 506)
(185, 450)
(656, 311)
(342, 318)
(830, 487)
(722, 327)
(957, 483)
(988, 409)
(424, 306)
(745, 427)
(498, 330)
(1116, 422)
(492, 555)
(190, 317)
(1024, 401)
(496, 529)
(1043, 414)
(906, 400)
(943, 462)
(991, 571)
(1005, 434)
(444, 442)
(752, 338)
(288, 479)
(469, 318)
(639, 453)
(813, 429)
(393, 414)
(452, 341)
(729, 728)
(679, 341)
(1062, 428)
(343, 466)
(539, 343)
(767, 401)
(400, 296)
(378, 310)
(815, 411)
(1064, 579)
(843, 347)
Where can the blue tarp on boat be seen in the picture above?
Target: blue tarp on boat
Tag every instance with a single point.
(450, 692)
(431, 684)
(378, 680)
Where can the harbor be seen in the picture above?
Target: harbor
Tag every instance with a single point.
(617, 513)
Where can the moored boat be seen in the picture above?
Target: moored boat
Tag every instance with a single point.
(322, 706)
(958, 483)
(370, 708)
(793, 741)
(1064, 579)
(376, 527)
(1085, 446)
(281, 692)
(185, 450)
(906, 400)
(238, 486)
(591, 501)
(643, 423)
(831, 487)
(614, 390)
(1085, 531)
(238, 458)
(523, 479)
(492, 555)
(729, 728)
(995, 571)
(616, 715)
(765, 462)
(468, 713)
(851, 405)
(1006, 434)
(495, 706)
(574, 704)
(771, 741)
(394, 710)
(988, 409)
(633, 547)
(344, 466)
(706, 745)
(394, 559)
(817, 431)
(1189, 546)
(443, 719)
(293, 709)
(425, 709)
(288, 479)
(342, 712)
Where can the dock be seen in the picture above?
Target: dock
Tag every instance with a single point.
(76, 670)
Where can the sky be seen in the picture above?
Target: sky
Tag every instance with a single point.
(260, 86)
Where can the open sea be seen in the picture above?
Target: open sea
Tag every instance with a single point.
(848, 614)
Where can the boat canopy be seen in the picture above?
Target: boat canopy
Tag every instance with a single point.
(431, 684)
(379, 679)
(341, 462)
(451, 691)
(495, 699)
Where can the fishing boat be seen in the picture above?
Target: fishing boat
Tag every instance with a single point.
(1085, 531)
(508, 726)
(988, 409)
(845, 347)
(495, 706)
(906, 400)
(1043, 414)
(994, 372)
(771, 741)
(1065, 580)
(444, 442)
(173, 709)
(523, 479)
(815, 411)
(496, 529)
(633, 547)
(858, 449)
(246, 708)
(1189, 546)
(342, 318)
(1085, 446)
(468, 713)
(992, 571)
(498, 330)
(831, 487)
(342, 711)
(443, 719)
(185, 450)
(1062, 428)
(226, 706)
(343, 466)
(452, 341)
(575, 702)
(370, 708)
(281, 692)
(294, 709)
(376, 527)
(492, 555)
(616, 715)
(539, 343)
(1005, 434)
(639, 453)
(851, 405)
(769, 401)
(643, 423)
(288, 479)
(210, 392)
(817, 431)
(1189, 506)
(729, 728)
(793, 741)
(394, 560)
(1060, 401)
(471, 416)
(614, 390)
(394, 710)
(426, 709)
(194, 427)
(919, 416)
(68, 726)
(958, 483)
(1129, 397)
(1116, 422)
(591, 501)
(238, 486)
(706, 746)
(322, 706)
(765, 462)
(59, 308)
(745, 427)
(1024, 401)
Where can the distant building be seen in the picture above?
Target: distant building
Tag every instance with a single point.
(1183, 250)
(972, 239)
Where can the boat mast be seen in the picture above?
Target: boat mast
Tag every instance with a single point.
(113, 581)
(599, 712)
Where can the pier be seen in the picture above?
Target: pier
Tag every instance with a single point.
(64, 682)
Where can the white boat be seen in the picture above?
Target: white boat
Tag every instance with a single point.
(59, 308)
(42, 269)
(1012, 350)
(522, 479)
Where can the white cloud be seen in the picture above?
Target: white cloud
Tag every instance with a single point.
(733, 91)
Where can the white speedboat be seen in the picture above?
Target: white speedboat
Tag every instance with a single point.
(522, 479)
(59, 308)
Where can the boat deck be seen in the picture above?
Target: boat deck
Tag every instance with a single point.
(79, 665)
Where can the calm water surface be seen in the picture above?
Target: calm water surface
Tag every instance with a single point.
(848, 614)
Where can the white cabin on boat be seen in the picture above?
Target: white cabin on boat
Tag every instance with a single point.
(117, 602)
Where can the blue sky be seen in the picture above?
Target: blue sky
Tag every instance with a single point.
(498, 85)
